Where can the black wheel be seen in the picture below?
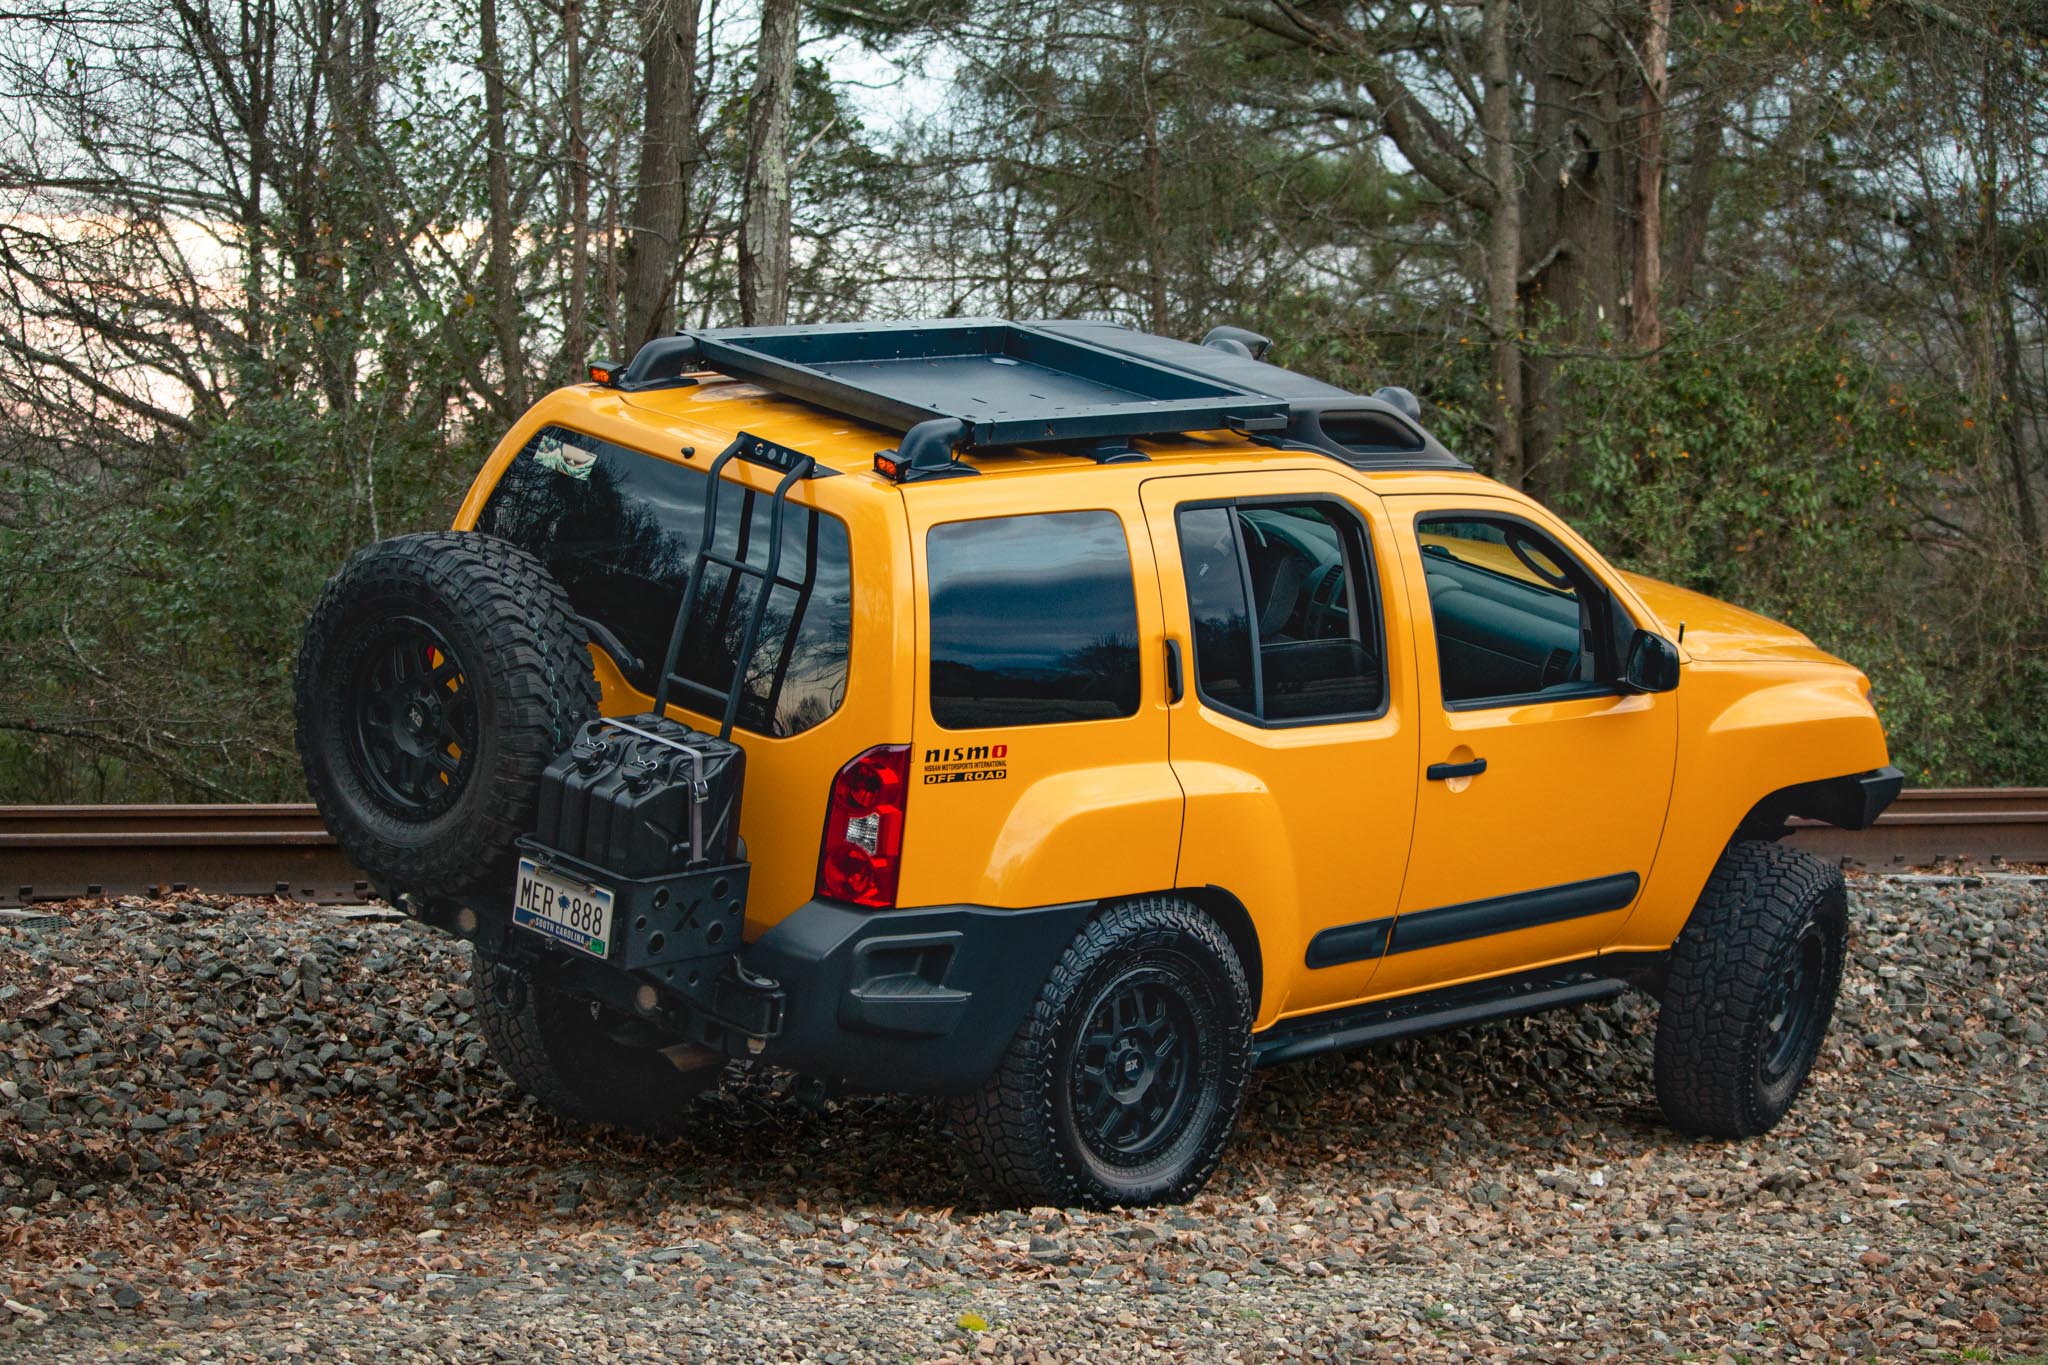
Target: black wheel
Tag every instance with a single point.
(1750, 991)
(439, 674)
(1122, 1086)
(583, 1062)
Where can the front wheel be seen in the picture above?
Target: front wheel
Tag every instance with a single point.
(1750, 991)
(1122, 1085)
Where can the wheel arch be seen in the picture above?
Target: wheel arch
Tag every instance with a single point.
(1756, 742)
(1848, 801)
(1235, 921)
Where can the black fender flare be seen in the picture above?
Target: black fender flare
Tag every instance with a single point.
(1852, 801)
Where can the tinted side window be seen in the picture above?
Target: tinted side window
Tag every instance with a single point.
(1216, 605)
(1514, 614)
(619, 529)
(1034, 620)
(1282, 604)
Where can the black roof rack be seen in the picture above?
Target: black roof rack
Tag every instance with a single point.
(1088, 387)
(1383, 431)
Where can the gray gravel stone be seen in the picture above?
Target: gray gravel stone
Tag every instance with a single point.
(255, 1131)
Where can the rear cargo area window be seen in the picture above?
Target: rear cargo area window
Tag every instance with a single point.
(1034, 620)
(619, 529)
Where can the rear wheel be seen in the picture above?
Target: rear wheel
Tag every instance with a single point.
(1750, 991)
(1123, 1084)
(583, 1062)
(439, 675)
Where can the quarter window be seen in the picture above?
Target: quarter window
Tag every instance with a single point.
(619, 528)
(1284, 620)
(1034, 620)
(1515, 615)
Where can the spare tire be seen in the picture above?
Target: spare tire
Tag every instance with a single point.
(439, 675)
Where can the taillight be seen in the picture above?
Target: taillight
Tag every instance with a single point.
(864, 828)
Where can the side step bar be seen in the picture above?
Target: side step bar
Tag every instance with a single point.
(1472, 1002)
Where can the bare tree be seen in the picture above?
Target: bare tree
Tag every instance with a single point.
(668, 160)
(1503, 241)
(501, 276)
(576, 324)
(765, 207)
(1645, 321)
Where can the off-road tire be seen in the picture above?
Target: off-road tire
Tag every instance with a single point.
(1021, 1131)
(1769, 914)
(524, 675)
(569, 1055)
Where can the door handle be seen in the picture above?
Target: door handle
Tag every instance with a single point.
(1174, 687)
(1439, 771)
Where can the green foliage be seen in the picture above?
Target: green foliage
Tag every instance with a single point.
(1843, 429)
(153, 621)
(1789, 470)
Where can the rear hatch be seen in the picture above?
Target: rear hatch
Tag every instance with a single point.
(622, 528)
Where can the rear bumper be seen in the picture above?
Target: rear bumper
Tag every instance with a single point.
(922, 1001)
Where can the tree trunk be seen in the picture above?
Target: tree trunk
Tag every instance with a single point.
(576, 331)
(661, 192)
(1695, 203)
(2002, 385)
(1645, 321)
(764, 212)
(1503, 242)
(2011, 426)
(501, 274)
(1152, 206)
(1574, 203)
(614, 270)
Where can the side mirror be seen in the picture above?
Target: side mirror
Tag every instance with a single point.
(1652, 663)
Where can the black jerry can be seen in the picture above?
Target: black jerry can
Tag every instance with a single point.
(643, 796)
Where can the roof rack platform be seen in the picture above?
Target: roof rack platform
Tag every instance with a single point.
(1086, 387)
(1003, 383)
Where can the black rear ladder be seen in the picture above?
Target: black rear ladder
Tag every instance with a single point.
(794, 468)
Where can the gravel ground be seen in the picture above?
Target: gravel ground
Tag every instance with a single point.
(251, 1130)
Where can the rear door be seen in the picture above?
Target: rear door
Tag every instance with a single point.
(1544, 784)
(1038, 770)
(1292, 736)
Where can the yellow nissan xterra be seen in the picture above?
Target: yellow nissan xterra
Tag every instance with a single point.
(1065, 720)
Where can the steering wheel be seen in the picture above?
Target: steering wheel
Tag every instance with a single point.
(1521, 542)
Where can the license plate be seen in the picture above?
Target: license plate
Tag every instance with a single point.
(570, 912)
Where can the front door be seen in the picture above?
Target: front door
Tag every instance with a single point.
(1544, 784)
(1291, 735)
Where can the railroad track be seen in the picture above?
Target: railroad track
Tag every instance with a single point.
(1938, 824)
(60, 852)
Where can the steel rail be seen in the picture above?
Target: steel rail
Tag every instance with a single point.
(1940, 824)
(52, 853)
(62, 852)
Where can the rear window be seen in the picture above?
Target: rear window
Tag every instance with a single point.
(619, 529)
(1034, 620)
